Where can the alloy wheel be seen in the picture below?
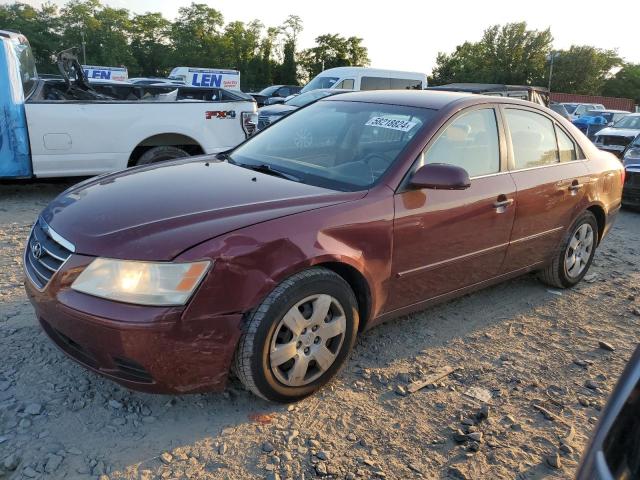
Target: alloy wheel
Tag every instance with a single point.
(307, 340)
(579, 250)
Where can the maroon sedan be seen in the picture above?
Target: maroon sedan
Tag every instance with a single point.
(271, 258)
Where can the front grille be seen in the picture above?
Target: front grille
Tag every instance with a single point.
(130, 370)
(615, 140)
(45, 253)
(632, 179)
(263, 121)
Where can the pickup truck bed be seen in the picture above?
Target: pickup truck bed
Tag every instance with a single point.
(73, 131)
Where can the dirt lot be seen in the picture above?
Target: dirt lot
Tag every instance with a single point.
(520, 344)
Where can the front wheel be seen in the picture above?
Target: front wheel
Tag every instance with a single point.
(161, 154)
(576, 253)
(299, 336)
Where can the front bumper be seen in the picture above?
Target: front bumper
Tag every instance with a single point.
(631, 189)
(150, 349)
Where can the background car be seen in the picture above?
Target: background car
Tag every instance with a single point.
(272, 113)
(631, 162)
(275, 94)
(577, 109)
(560, 110)
(617, 137)
(154, 81)
(614, 449)
(593, 121)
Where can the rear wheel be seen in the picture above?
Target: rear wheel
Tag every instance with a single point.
(299, 337)
(576, 253)
(161, 154)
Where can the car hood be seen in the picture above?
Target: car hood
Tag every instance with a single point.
(276, 110)
(157, 212)
(619, 132)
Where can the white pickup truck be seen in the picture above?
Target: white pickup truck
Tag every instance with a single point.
(59, 127)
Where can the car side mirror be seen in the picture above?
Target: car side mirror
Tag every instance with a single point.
(440, 176)
(274, 100)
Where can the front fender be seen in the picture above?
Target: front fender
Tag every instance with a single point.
(251, 262)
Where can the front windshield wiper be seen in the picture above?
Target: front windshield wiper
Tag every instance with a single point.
(269, 170)
(261, 167)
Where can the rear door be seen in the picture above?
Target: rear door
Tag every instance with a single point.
(445, 240)
(550, 174)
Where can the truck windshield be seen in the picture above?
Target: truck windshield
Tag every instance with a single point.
(332, 144)
(26, 65)
(320, 82)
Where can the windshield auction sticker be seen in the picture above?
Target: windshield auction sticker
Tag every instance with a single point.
(392, 123)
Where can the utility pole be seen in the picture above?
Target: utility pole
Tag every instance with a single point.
(550, 57)
(84, 50)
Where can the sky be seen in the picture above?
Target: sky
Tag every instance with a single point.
(408, 35)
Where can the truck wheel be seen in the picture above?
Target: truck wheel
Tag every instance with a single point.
(160, 154)
(299, 337)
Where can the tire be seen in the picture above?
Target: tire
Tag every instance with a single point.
(557, 274)
(266, 333)
(160, 154)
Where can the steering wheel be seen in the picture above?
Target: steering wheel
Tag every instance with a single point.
(372, 158)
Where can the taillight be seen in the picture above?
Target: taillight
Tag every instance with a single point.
(249, 122)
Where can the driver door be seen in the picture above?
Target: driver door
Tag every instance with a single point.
(445, 240)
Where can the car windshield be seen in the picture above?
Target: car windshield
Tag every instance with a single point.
(571, 107)
(26, 65)
(320, 82)
(631, 121)
(334, 144)
(306, 98)
(269, 90)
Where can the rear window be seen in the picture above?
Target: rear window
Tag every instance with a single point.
(533, 138)
(375, 83)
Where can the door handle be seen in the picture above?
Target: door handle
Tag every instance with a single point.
(503, 203)
(575, 187)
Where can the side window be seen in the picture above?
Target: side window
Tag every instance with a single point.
(533, 138)
(405, 84)
(566, 146)
(375, 83)
(346, 84)
(581, 110)
(284, 92)
(470, 142)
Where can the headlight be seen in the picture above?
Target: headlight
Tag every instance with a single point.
(142, 283)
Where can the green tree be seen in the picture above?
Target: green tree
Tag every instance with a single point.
(508, 54)
(625, 83)
(150, 45)
(40, 26)
(288, 72)
(582, 69)
(333, 50)
(196, 35)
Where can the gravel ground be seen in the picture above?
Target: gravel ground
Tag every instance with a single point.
(528, 383)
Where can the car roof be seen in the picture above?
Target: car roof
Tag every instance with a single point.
(432, 99)
(606, 110)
